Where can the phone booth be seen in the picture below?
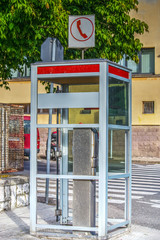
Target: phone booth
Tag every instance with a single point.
(93, 105)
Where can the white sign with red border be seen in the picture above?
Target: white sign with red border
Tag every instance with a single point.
(81, 31)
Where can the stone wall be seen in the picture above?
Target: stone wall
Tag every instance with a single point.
(43, 132)
(11, 137)
(146, 141)
(14, 192)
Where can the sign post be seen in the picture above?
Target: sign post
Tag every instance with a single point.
(81, 32)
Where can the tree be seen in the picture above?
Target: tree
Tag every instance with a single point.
(115, 29)
(25, 24)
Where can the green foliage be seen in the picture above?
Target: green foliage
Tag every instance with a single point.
(47, 86)
(115, 29)
(25, 24)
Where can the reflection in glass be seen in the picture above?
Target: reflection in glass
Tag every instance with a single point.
(116, 151)
(118, 102)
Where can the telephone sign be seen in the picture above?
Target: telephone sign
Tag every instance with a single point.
(81, 31)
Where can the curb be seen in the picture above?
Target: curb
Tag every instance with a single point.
(145, 160)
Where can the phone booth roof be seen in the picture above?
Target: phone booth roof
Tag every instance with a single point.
(79, 71)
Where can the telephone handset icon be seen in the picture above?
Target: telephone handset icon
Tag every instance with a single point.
(79, 29)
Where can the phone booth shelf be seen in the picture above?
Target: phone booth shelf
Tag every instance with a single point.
(113, 100)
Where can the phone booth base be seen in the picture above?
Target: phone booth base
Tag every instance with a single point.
(93, 107)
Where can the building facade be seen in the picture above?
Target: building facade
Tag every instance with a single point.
(146, 85)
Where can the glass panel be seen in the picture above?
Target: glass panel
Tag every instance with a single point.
(116, 200)
(83, 115)
(147, 61)
(118, 102)
(42, 149)
(76, 116)
(116, 151)
(81, 198)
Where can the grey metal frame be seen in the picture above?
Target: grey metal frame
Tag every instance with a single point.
(33, 154)
(64, 165)
(104, 176)
(49, 149)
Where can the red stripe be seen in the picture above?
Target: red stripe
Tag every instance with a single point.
(68, 69)
(118, 72)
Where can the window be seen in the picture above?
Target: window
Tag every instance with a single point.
(146, 62)
(148, 107)
(26, 72)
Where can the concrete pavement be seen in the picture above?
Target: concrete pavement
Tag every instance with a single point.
(14, 225)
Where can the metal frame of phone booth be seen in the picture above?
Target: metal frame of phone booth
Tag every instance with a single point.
(81, 72)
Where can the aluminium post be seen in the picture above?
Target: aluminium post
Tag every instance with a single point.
(33, 151)
(103, 151)
(126, 179)
(130, 147)
(64, 163)
(49, 149)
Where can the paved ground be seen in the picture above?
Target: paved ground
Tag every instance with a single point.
(15, 226)
(145, 193)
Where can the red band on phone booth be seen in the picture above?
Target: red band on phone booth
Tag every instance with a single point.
(119, 72)
(68, 69)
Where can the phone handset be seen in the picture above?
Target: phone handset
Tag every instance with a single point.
(79, 29)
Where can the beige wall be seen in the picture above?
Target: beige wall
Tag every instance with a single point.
(145, 90)
(20, 92)
(149, 11)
